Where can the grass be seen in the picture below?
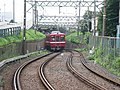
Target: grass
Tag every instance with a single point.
(108, 61)
(30, 35)
(111, 63)
(72, 37)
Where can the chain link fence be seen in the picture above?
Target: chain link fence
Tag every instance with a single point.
(106, 52)
(108, 45)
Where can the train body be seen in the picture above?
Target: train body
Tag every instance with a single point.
(55, 41)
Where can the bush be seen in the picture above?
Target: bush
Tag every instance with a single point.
(30, 35)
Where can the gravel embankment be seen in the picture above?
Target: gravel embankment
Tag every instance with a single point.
(8, 70)
(100, 81)
(57, 74)
(30, 78)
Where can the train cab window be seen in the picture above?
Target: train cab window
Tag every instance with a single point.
(57, 38)
(62, 38)
(53, 38)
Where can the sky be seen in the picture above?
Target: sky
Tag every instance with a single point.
(7, 6)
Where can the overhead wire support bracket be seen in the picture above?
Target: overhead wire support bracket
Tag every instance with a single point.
(57, 3)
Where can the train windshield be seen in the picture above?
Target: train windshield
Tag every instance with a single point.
(62, 38)
(53, 38)
(57, 38)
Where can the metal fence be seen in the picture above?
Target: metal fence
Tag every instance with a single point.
(15, 49)
(9, 30)
(107, 52)
(108, 45)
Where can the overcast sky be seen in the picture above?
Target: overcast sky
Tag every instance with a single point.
(7, 6)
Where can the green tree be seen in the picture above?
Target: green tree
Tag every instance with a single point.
(112, 13)
(85, 23)
(88, 15)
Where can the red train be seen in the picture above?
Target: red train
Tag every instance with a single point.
(55, 41)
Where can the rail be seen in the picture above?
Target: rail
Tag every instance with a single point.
(42, 74)
(81, 77)
(16, 78)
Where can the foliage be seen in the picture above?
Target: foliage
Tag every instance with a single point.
(81, 49)
(30, 35)
(116, 63)
(96, 53)
(73, 37)
(85, 23)
(80, 39)
(83, 26)
(108, 61)
(88, 15)
(112, 14)
(3, 41)
(37, 53)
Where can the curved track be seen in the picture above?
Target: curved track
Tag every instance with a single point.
(47, 75)
(84, 62)
(42, 74)
(76, 72)
(16, 82)
(81, 77)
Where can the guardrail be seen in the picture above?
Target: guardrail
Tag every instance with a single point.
(9, 29)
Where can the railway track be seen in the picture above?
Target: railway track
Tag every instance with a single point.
(52, 76)
(42, 74)
(85, 79)
(16, 82)
(112, 80)
(80, 76)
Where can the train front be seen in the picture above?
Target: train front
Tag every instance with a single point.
(56, 41)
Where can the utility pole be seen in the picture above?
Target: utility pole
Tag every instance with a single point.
(104, 19)
(4, 12)
(88, 19)
(35, 16)
(13, 10)
(79, 19)
(24, 31)
(119, 12)
(94, 31)
(118, 31)
(0, 15)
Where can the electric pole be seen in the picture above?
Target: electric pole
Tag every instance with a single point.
(4, 12)
(0, 15)
(104, 19)
(35, 16)
(119, 12)
(24, 31)
(13, 11)
(94, 31)
(78, 18)
(88, 19)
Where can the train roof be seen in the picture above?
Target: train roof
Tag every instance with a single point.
(56, 32)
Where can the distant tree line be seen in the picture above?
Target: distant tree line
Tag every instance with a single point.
(112, 18)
